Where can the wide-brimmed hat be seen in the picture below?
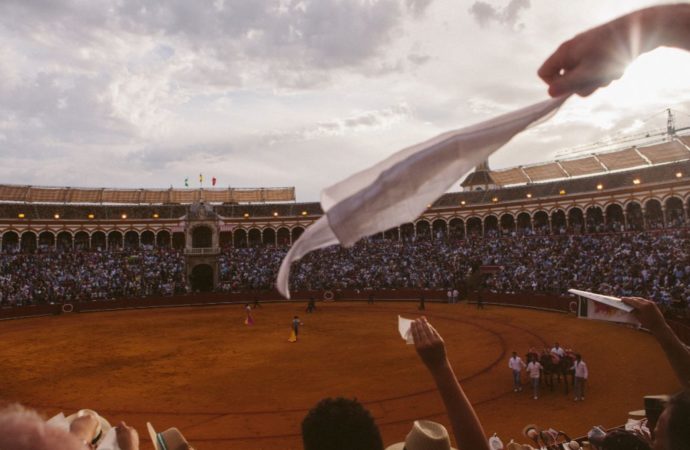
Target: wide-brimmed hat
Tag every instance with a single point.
(170, 439)
(425, 435)
(103, 425)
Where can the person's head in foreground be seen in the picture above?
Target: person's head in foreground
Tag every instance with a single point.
(24, 429)
(340, 424)
(672, 430)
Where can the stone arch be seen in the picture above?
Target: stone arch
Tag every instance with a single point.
(614, 217)
(456, 228)
(634, 216)
(131, 240)
(474, 227)
(269, 237)
(98, 240)
(439, 228)
(81, 240)
(594, 219)
(10, 241)
(675, 215)
(491, 226)
(283, 236)
(202, 236)
(28, 242)
(423, 229)
(65, 241)
(576, 219)
(653, 214)
(540, 222)
(239, 238)
(201, 278)
(507, 224)
(163, 239)
(524, 223)
(148, 238)
(46, 240)
(559, 223)
(296, 232)
(254, 237)
(115, 240)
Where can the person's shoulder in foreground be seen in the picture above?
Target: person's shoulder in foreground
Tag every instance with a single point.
(340, 424)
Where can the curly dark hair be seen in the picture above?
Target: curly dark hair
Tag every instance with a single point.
(340, 424)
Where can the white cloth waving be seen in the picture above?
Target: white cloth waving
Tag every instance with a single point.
(399, 188)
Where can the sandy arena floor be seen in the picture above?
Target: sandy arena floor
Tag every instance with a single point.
(228, 386)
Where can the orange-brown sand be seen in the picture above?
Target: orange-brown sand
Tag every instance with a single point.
(230, 386)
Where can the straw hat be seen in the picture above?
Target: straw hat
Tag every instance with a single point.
(170, 439)
(103, 425)
(425, 435)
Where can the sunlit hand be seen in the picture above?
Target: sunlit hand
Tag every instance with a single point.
(647, 312)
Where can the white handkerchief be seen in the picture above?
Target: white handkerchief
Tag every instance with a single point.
(399, 188)
(109, 441)
(404, 328)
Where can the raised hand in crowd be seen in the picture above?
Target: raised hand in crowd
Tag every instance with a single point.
(596, 57)
(677, 353)
(431, 349)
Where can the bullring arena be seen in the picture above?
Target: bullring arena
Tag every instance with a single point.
(131, 302)
(229, 386)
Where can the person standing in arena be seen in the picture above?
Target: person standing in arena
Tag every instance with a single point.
(516, 364)
(311, 305)
(534, 369)
(422, 303)
(294, 329)
(581, 374)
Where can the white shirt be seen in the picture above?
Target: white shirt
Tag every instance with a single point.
(559, 351)
(580, 369)
(516, 363)
(533, 369)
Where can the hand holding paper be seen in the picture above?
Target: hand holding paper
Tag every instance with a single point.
(605, 307)
(404, 329)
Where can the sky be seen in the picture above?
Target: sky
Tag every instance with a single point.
(303, 93)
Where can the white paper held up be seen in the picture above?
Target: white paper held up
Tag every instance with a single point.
(614, 302)
(405, 329)
(607, 308)
(109, 441)
(399, 188)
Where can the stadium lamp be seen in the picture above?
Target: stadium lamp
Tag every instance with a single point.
(124, 216)
(600, 187)
(495, 199)
(562, 192)
(56, 216)
(679, 174)
(275, 214)
(529, 195)
(246, 215)
(463, 203)
(636, 181)
(304, 213)
(91, 216)
(21, 215)
(155, 215)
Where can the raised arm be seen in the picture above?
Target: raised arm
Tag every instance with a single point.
(596, 57)
(677, 353)
(467, 428)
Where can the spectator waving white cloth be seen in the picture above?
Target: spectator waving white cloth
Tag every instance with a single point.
(398, 189)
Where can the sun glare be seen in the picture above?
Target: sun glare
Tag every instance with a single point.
(657, 77)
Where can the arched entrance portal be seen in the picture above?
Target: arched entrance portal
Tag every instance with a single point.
(202, 278)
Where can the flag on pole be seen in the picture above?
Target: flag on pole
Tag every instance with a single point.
(213, 181)
(201, 179)
(186, 182)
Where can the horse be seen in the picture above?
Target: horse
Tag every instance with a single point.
(558, 366)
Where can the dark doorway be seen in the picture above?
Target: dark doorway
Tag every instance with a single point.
(202, 278)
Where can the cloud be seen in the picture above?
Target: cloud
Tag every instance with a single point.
(486, 13)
